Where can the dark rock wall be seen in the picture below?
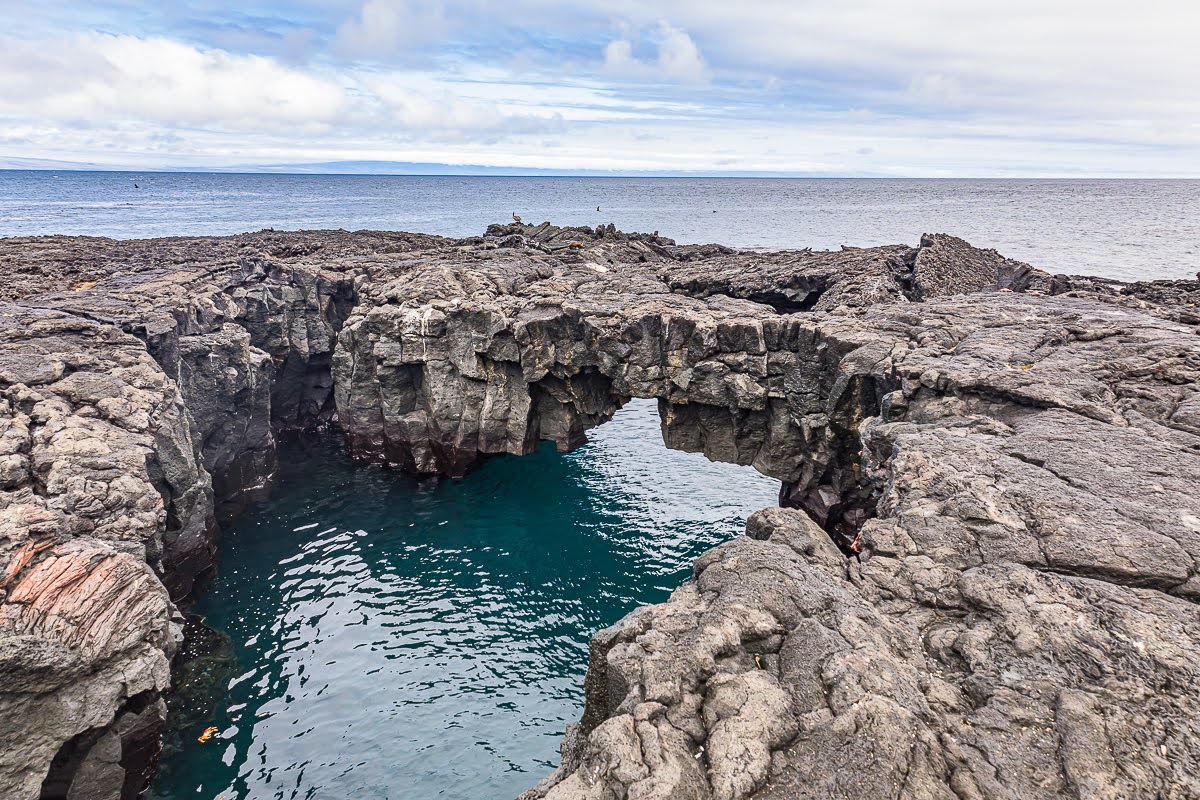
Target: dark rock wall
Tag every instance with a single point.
(116, 761)
(294, 315)
(227, 384)
(435, 388)
(122, 453)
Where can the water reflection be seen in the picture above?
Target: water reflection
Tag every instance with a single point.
(399, 639)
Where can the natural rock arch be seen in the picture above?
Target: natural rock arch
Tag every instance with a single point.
(1009, 443)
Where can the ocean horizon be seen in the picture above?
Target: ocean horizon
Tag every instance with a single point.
(1121, 228)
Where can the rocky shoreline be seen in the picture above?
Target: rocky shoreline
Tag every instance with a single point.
(984, 583)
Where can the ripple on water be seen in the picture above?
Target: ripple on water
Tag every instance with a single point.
(1126, 229)
(397, 639)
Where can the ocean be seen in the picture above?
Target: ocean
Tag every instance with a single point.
(1125, 229)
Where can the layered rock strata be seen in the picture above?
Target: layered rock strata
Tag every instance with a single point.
(1011, 472)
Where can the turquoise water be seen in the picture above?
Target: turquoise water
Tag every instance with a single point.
(400, 639)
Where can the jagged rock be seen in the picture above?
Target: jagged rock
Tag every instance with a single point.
(84, 633)
(945, 265)
(1021, 619)
(107, 442)
(450, 362)
(228, 384)
(1009, 458)
(1174, 300)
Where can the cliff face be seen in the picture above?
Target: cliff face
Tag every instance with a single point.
(98, 457)
(135, 414)
(498, 349)
(1020, 619)
(989, 591)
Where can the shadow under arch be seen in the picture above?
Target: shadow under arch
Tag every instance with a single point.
(438, 629)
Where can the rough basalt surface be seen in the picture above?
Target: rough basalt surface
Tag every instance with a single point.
(984, 584)
(1020, 621)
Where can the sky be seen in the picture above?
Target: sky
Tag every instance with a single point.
(923, 88)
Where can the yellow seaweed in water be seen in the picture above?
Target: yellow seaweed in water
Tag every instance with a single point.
(208, 734)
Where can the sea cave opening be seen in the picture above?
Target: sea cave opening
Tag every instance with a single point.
(374, 634)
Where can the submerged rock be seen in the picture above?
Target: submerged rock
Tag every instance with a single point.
(1007, 459)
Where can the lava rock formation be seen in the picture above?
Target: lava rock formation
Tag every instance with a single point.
(983, 584)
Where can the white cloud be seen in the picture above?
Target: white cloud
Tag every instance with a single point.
(1104, 57)
(385, 26)
(678, 56)
(934, 92)
(431, 109)
(677, 60)
(933, 87)
(416, 110)
(98, 81)
(96, 77)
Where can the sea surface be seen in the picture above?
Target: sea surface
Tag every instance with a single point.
(1126, 229)
(397, 639)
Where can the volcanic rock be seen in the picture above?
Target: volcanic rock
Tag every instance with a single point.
(984, 585)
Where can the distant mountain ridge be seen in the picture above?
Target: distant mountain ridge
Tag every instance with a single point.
(394, 168)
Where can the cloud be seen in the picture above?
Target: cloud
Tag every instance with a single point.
(99, 79)
(933, 87)
(1038, 57)
(96, 77)
(444, 113)
(384, 26)
(677, 59)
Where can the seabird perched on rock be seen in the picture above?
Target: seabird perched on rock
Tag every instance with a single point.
(515, 217)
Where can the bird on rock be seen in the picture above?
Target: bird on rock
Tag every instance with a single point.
(515, 217)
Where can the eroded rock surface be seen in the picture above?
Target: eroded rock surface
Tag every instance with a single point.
(985, 588)
(1020, 622)
(122, 407)
(97, 454)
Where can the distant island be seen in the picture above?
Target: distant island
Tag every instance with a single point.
(410, 168)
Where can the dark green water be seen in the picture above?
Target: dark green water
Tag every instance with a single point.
(395, 639)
